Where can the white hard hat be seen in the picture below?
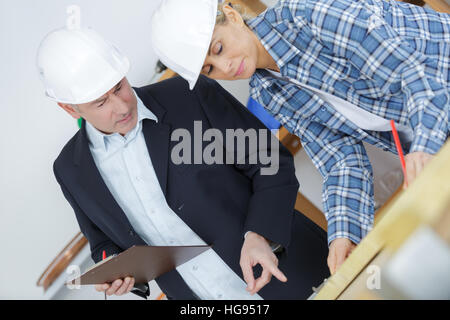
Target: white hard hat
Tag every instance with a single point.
(181, 33)
(78, 65)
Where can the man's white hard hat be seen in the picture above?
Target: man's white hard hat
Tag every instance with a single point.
(78, 65)
(181, 32)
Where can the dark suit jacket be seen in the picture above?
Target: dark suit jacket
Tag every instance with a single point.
(220, 202)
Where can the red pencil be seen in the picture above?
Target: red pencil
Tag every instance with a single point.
(399, 150)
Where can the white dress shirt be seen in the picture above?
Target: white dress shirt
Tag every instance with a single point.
(125, 166)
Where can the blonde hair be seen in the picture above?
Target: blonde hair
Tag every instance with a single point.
(222, 19)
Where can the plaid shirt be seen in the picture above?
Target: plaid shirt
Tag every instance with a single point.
(387, 57)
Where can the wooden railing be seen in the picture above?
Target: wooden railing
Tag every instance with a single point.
(438, 5)
(62, 260)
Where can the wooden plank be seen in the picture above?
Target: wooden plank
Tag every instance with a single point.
(307, 208)
(439, 5)
(61, 261)
(290, 141)
(251, 7)
(168, 74)
(422, 203)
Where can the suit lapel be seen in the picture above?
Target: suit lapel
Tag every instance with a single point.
(157, 139)
(92, 182)
(157, 136)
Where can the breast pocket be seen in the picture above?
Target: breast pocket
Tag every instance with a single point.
(367, 87)
(331, 69)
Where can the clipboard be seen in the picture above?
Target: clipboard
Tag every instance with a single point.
(144, 263)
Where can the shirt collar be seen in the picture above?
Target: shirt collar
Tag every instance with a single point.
(264, 26)
(98, 139)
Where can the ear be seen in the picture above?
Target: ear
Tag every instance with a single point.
(70, 110)
(232, 15)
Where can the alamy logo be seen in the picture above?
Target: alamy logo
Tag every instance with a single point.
(235, 146)
(374, 280)
(74, 273)
(74, 19)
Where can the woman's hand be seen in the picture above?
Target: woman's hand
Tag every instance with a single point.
(340, 249)
(415, 162)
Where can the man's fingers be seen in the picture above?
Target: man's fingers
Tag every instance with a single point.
(275, 271)
(247, 272)
(101, 287)
(262, 280)
(118, 287)
(269, 268)
(131, 285)
(123, 288)
(114, 286)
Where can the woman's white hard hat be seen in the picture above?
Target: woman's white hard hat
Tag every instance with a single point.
(181, 32)
(78, 65)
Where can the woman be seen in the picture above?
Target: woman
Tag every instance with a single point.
(333, 72)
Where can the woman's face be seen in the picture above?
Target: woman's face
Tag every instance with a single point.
(232, 53)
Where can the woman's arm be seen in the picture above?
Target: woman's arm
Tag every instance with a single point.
(356, 31)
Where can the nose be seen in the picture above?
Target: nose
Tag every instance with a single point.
(119, 106)
(224, 66)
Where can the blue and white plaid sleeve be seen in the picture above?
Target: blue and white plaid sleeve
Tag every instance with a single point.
(354, 30)
(341, 160)
(348, 181)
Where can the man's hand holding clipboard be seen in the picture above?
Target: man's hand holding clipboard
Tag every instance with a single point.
(118, 274)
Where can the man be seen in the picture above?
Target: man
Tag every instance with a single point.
(118, 175)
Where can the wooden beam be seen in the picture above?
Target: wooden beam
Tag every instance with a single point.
(289, 140)
(251, 7)
(167, 75)
(424, 202)
(62, 260)
(307, 208)
(439, 5)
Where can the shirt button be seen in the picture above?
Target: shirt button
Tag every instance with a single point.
(219, 296)
(152, 211)
(195, 268)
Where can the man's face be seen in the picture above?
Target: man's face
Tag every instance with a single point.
(114, 112)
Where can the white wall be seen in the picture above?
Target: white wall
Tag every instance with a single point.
(36, 222)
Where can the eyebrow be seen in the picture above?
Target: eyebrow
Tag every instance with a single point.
(103, 97)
